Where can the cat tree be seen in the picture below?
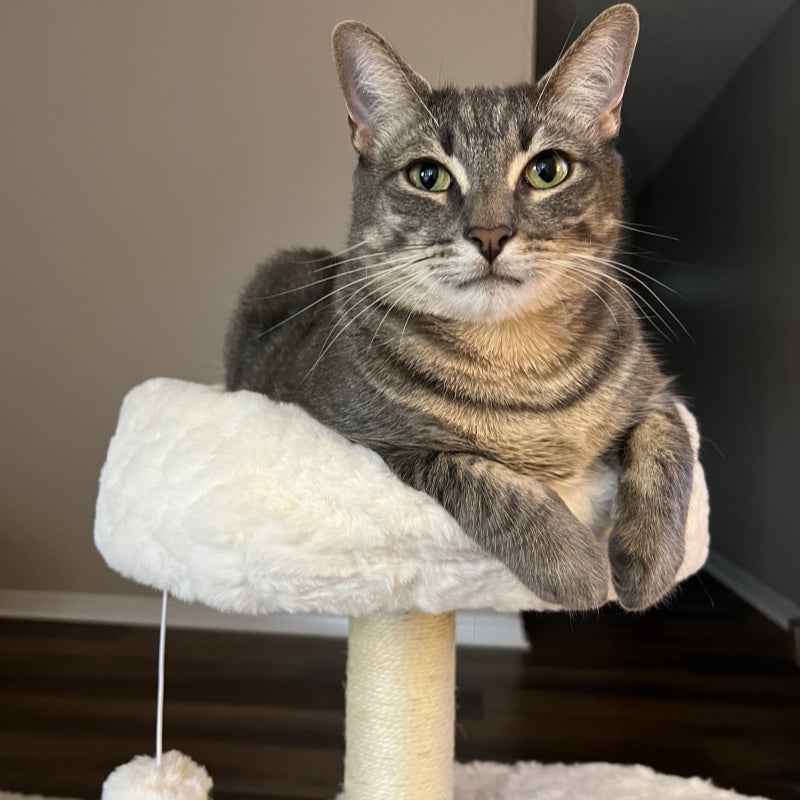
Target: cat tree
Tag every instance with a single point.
(247, 505)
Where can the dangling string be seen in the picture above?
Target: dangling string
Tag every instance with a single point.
(162, 642)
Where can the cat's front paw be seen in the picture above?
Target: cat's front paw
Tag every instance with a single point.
(644, 562)
(564, 564)
(646, 546)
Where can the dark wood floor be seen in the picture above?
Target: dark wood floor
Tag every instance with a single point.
(705, 686)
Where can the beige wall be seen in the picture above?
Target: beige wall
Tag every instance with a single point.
(151, 152)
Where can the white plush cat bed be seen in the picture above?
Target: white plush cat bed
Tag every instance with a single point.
(248, 505)
(253, 506)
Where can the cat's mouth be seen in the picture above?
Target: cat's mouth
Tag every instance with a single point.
(490, 278)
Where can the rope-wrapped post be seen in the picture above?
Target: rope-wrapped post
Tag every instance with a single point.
(400, 707)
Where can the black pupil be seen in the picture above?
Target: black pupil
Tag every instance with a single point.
(428, 174)
(546, 167)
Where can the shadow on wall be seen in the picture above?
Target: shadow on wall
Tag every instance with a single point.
(728, 194)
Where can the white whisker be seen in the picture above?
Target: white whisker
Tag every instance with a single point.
(392, 265)
(632, 273)
(331, 255)
(635, 296)
(589, 288)
(422, 297)
(329, 343)
(375, 254)
(626, 269)
(413, 283)
(641, 229)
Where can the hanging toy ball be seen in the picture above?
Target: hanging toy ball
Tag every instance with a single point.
(177, 777)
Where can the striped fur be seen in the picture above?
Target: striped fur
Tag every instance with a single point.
(491, 385)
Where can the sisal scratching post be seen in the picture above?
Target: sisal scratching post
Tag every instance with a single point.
(252, 506)
(400, 707)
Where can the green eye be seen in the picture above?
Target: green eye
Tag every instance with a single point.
(429, 176)
(547, 169)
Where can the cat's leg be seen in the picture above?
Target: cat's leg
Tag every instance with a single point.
(517, 519)
(646, 546)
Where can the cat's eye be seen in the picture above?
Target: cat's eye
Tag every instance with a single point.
(547, 169)
(429, 176)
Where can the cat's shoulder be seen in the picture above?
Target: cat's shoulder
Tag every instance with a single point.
(297, 267)
(300, 258)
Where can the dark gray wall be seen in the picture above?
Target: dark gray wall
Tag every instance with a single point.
(730, 193)
(687, 52)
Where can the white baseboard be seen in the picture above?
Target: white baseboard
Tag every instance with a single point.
(772, 605)
(479, 628)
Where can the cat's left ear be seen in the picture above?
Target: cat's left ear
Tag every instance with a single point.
(381, 91)
(588, 81)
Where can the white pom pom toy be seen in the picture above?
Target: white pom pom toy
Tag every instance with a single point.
(176, 777)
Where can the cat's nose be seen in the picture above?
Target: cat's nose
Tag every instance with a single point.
(490, 241)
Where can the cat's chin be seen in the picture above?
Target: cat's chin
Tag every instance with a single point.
(490, 297)
(490, 280)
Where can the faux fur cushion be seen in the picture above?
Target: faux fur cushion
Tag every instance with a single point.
(248, 505)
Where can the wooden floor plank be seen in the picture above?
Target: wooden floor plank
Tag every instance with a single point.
(703, 686)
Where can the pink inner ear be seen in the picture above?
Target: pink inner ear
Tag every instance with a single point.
(351, 56)
(610, 121)
(359, 135)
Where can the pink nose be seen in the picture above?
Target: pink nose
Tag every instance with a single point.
(490, 241)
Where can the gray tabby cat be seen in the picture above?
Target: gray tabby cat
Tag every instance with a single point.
(474, 333)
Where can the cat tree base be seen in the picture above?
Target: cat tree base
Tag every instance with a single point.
(251, 506)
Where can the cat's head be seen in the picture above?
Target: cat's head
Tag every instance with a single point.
(484, 202)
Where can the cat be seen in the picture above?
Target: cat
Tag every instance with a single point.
(475, 333)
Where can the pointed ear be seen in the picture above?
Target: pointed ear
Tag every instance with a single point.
(588, 81)
(381, 91)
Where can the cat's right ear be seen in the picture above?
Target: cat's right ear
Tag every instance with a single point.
(381, 91)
